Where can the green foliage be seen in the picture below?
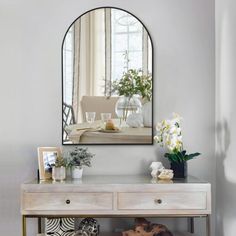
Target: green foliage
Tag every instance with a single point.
(134, 82)
(79, 157)
(60, 162)
(180, 157)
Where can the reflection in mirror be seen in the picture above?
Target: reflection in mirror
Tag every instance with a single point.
(107, 80)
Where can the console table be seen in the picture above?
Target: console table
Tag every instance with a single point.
(117, 196)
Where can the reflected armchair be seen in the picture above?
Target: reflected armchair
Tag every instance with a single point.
(68, 119)
(98, 104)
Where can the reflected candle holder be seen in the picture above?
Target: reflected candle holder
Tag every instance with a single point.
(105, 117)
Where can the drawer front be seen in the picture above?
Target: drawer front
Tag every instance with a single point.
(162, 201)
(67, 201)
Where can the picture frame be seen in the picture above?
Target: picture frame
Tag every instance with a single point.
(46, 157)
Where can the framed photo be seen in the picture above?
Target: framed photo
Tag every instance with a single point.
(46, 157)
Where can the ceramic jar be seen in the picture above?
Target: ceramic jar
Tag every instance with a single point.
(58, 173)
(77, 172)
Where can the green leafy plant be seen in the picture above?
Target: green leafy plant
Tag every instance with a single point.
(60, 162)
(134, 82)
(79, 157)
(181, 156)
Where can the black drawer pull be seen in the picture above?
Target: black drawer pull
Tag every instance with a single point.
(67, 201)
(158, 201)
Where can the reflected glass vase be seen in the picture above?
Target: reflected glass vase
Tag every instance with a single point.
(147, 114)
(126, 106)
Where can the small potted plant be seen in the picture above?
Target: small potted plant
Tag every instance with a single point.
(77, 158)
(59, 169)
(169, 135)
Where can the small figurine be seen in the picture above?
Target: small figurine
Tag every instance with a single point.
(166, 174)
(156, 167)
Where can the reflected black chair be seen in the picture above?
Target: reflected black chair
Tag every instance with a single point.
(68, 119)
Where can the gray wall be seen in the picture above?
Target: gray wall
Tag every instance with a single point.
(226, 116)
(30, 91)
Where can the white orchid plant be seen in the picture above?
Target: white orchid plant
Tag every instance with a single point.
(169, 135)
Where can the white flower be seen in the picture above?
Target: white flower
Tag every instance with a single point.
(159, 126)
(169, 133)
(176, 142)
(167, 124)
(157, 139)
(177, 117)
(180, 138)
(175, 130)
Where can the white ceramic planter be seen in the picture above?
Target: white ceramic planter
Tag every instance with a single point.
(77, 172)
(147, 114)
(58, 173)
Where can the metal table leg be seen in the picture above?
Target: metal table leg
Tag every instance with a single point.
(39, 225)
(23, 225)
(208, 225)
(191, 225)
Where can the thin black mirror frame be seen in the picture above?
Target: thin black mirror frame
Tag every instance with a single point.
(95, 144)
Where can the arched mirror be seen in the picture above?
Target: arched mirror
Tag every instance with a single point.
(107, 79)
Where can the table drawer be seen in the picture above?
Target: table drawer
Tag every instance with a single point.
(162, 200)
(67, 201)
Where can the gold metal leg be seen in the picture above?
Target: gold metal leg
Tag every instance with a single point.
(23, 225)
(208, 225)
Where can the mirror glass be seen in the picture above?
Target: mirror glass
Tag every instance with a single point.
(107, 79)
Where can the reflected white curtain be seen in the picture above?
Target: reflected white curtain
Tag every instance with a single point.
(94, 59)
(76, 72)
(89, 58)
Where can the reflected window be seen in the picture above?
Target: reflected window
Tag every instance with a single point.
(110, 42)
(127, 43)
(68, 56)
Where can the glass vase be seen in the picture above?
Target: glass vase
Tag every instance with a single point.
(126, 106)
